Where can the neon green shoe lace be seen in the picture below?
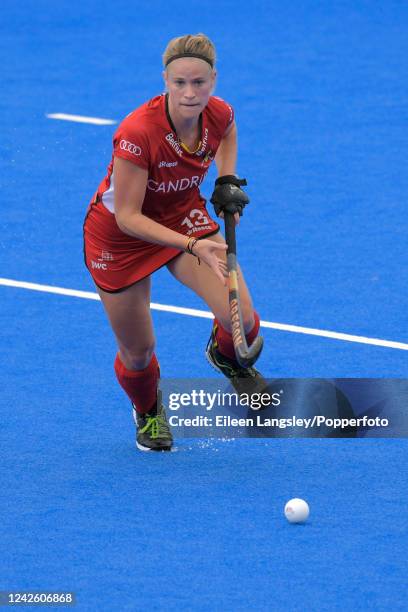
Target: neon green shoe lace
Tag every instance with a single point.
(157, 426)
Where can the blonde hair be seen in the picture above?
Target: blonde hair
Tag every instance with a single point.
(191, 43)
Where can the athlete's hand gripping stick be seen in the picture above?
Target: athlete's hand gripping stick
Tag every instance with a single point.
(228, 195)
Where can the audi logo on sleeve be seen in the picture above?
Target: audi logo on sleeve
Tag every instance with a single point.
(125, 145)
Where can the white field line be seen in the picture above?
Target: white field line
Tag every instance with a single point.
(193, 312)
(81, 119)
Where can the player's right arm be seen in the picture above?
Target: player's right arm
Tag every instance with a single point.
(130, 189)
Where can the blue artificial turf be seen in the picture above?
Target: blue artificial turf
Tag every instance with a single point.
(321, 106)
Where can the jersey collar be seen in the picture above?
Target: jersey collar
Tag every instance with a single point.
(200, 123)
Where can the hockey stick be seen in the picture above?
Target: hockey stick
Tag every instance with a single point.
(246, 356)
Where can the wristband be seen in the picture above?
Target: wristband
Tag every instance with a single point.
(191, 242)
(231, 179)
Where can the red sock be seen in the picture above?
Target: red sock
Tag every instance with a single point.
(224, 338)
(140, 385)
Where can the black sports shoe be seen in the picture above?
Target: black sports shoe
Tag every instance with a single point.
(244, 380)
(153, 431)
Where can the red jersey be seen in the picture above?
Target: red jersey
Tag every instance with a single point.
(147, 138)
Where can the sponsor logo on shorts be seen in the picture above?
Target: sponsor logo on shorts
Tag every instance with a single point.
(100, 264)
(97, 265)
(125, 145)
(106, 256)
(165, 164)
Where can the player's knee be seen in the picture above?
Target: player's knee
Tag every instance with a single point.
(138, 358)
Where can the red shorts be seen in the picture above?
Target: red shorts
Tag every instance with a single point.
(116, 260)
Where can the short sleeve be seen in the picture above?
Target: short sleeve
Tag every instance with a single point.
(225, 114)
(131, 142)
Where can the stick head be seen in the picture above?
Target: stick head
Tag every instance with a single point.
(247, 356)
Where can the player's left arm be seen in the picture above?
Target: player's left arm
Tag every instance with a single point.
(228, 195)
(226, 156)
